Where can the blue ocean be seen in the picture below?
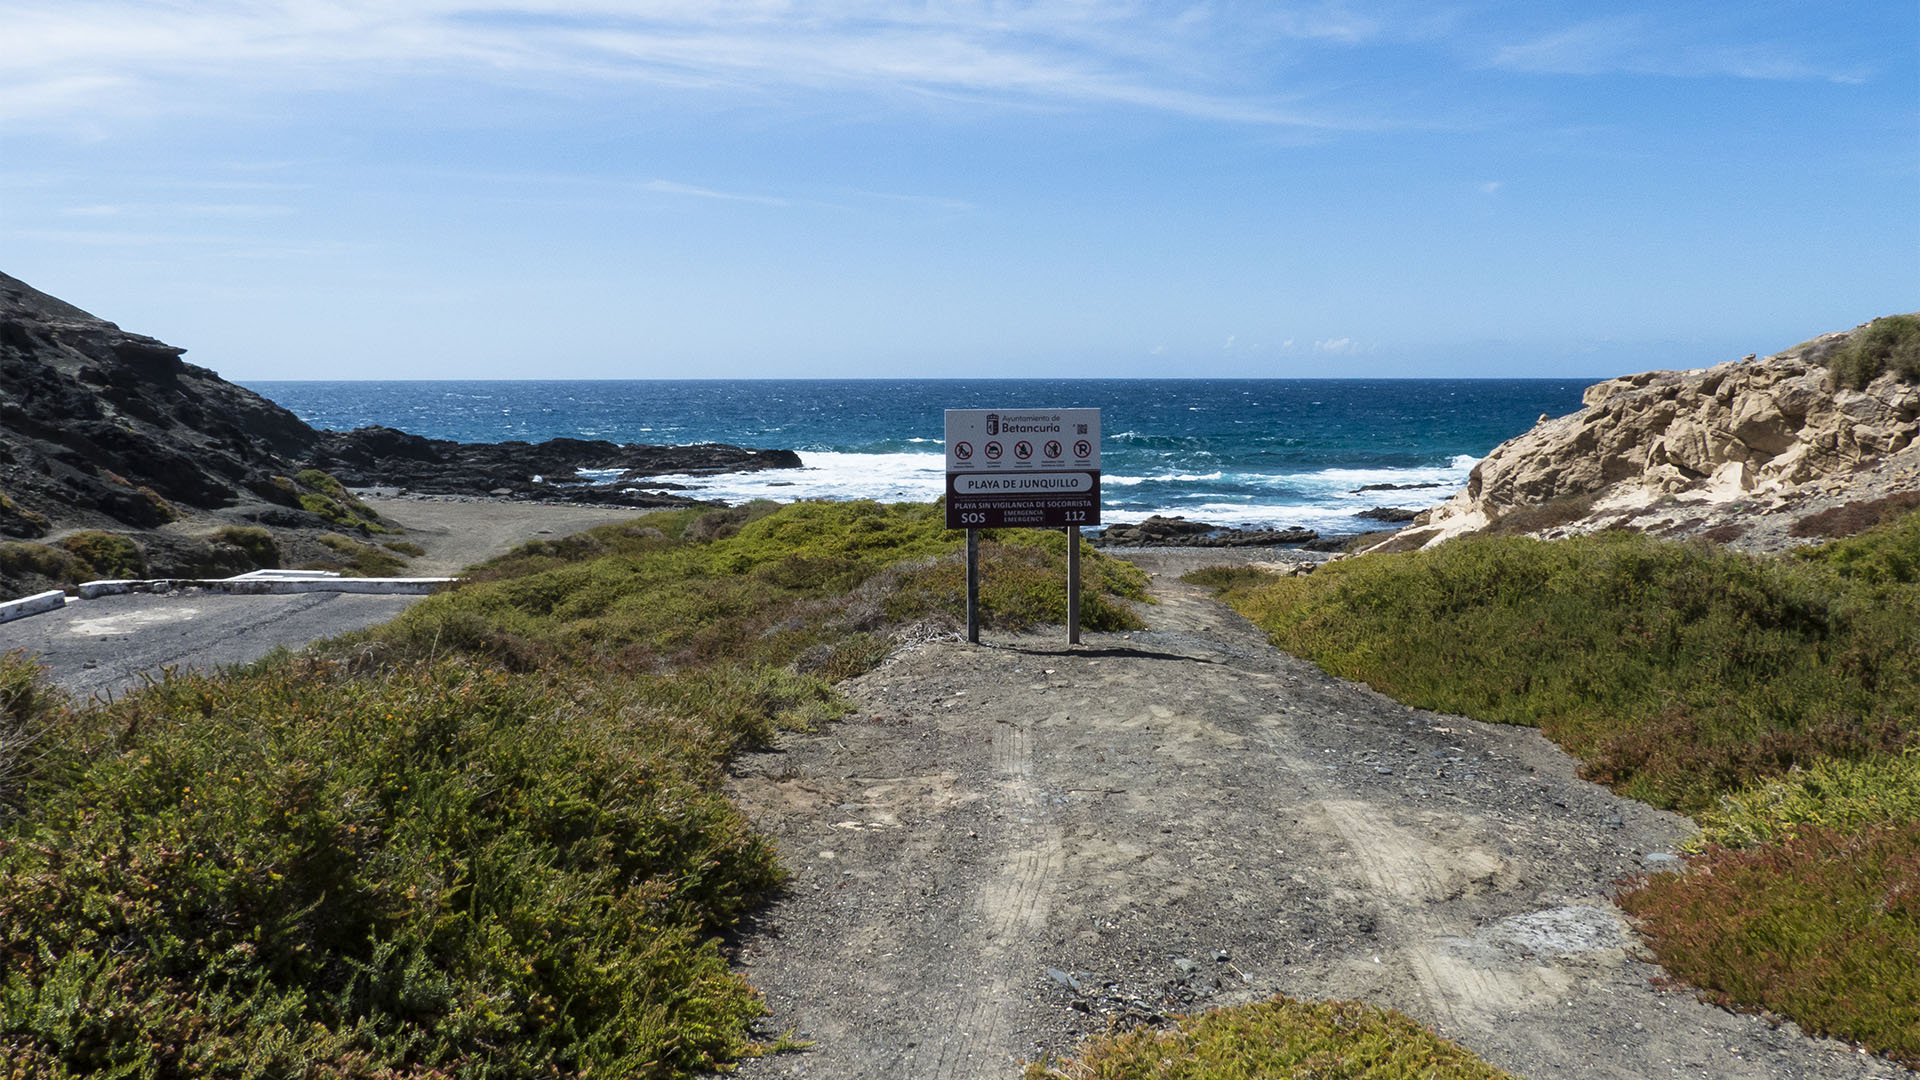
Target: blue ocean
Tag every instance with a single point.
(1240, 452)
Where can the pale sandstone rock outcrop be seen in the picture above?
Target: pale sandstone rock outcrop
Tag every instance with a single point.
(1759, 433)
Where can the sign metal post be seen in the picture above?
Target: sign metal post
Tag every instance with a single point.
(973, 586)
(1073, 584)
(1023, 469)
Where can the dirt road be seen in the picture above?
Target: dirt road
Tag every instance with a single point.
(1007, 846)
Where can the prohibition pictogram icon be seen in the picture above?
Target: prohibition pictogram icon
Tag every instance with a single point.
(1053, 447)
(1083, 448)
(993, 451)
(963, 451)
(1023, 449)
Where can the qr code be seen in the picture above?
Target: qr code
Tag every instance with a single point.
(1079, 429)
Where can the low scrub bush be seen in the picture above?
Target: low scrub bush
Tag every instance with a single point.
(1679, 672)
(255, 541)
(1276, 1040)
(1886, 344)
(363, 560)
(1842, 795)
(22, 558)
(329, 498)
(28, 709)
(1822, 926)
(106, 555)
(443, 871)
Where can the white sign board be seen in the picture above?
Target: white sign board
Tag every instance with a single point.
(1037, 468)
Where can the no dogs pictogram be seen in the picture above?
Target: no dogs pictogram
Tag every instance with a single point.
(963, 451)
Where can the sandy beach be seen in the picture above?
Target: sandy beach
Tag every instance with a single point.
(458, 533)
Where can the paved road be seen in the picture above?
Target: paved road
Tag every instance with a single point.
(110, 645)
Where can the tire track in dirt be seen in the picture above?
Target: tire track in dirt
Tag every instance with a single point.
(1012, 909)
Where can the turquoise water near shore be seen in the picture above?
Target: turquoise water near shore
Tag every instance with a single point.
(1259, 452)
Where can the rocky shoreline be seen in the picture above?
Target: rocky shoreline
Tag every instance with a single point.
(1160, 531)
(383, 456)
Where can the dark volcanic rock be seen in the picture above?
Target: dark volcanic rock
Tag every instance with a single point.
(1179, 532)
(1395, 487)
(100, 427)
(1396, 514)
(382, 456)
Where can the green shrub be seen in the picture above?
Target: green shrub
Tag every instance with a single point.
(404, 547)
(1846, 796)
(1888, 554)
(163, 511)
(1821, 927)
(1279, 1039)
(330, 499)
(28, 707)
(363, 560)
(255, 541)
(107, 556)
(324, 483)
(1886, 344)
(443, 871)
(41, 560)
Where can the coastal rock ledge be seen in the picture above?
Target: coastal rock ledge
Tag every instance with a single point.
(1745, 452)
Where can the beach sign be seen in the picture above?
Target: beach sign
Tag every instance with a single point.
(1023, 468)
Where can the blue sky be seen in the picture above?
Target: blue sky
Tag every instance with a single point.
(607, 189)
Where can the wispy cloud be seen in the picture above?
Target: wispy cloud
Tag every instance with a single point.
(929, 202)
(1644, 45)
(669, 187)
(115, 55)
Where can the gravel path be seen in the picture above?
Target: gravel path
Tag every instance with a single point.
(1008, 846)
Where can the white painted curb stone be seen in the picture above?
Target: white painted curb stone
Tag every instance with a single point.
(52, 600)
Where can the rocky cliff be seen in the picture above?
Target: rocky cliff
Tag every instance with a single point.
(102, 428)
(1744, 451)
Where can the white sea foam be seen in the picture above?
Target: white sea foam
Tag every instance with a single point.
(1325, 519)
(829, 475)
(1326, 499)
